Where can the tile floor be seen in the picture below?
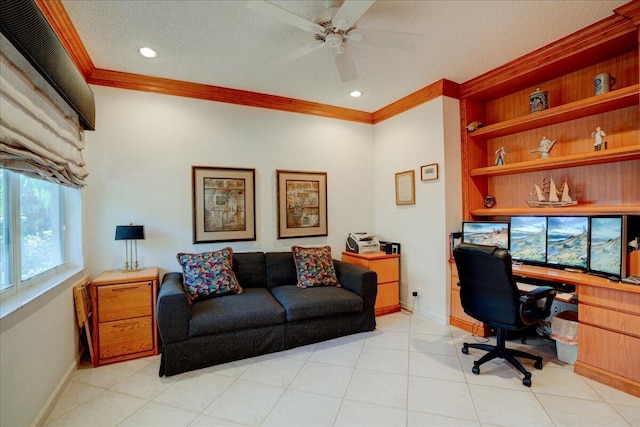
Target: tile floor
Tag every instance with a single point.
(408, 372)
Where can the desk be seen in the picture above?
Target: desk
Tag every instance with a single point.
(608, 326)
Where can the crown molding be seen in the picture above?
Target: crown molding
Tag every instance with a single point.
(56, 14)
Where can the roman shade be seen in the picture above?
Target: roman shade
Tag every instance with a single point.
(40, 134)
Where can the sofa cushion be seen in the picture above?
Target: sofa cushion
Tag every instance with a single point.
(253, 308)
(314, 266)
(208, 274)
(316, 302)
(281, 270)
(250, 269)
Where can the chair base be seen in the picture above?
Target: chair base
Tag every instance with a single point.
(499, 350)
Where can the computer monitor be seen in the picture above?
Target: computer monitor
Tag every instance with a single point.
(606, 250)
(568, 242)
(528, 239)
(486, 233)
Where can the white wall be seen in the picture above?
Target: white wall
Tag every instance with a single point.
(423, 135)
(140, 158)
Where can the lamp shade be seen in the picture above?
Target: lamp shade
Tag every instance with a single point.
(129, 232)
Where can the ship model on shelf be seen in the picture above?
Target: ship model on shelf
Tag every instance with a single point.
(550, 196)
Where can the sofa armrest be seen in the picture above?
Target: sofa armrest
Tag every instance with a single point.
(358, 280)
(173, 309)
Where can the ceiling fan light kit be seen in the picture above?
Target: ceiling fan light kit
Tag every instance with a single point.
(332, 27)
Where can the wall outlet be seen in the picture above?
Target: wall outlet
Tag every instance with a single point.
(417, 292)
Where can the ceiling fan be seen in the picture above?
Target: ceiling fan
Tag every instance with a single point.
(335, 28)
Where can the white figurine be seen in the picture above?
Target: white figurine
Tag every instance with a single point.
(599, 143)
(500, 153)
(545, 146)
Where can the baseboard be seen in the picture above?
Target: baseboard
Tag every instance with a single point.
(57, 393)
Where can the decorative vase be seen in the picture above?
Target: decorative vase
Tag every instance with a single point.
(538, 101)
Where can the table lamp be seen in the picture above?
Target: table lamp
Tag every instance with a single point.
(130, 234)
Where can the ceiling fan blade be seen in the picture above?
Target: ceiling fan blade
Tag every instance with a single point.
(390, 39)
(284, 15)
(346, 66)
(295, 54)
(350, 12)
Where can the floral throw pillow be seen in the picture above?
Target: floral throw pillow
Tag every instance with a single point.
(209, 274)
(314, 266)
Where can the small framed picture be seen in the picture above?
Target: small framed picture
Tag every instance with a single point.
(429, 172)
(405, 190)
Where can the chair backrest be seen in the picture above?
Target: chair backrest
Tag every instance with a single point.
(488, 291)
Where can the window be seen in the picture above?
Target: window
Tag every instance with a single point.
(31, 228)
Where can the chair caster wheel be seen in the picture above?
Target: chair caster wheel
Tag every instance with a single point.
(476, 370)
(465, 349)
(526, 381)
(538, 364)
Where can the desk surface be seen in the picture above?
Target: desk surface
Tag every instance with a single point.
(555, 275)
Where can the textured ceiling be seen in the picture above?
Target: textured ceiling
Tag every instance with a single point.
(223, 43)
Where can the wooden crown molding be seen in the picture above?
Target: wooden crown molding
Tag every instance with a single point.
(57, 16)
(55, 13)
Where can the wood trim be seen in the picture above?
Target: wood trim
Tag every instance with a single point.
(631, 10)
(434, 90)
(604, 39)
(164, 86)
(605, 377)
(55, 13)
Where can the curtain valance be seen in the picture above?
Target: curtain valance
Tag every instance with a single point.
(40, 134)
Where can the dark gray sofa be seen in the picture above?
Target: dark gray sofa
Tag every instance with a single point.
(271, 314)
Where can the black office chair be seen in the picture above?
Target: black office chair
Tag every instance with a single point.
(488, 293)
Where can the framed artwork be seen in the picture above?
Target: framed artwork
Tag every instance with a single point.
(405, 189)
(429, 172)
(302, 204)
(224, 204)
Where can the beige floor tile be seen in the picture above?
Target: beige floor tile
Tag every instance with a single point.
(155, 414)
(322, 378)
(441, 397)
(278, 371)
(358, 414)
(384, 360)
(523, 407)
(245, 402)
(435, 366)
(388, 339)
(420, 419)
(566, 411)
(435, 344)
(73, 396)
(299, 408)
(195, 391)
(106, 409)
(379, 388)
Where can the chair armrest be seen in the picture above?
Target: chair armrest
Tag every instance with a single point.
(537, 294)
(358, 280)
(173, 309)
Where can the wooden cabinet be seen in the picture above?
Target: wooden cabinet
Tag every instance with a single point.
(458, 317)
(388, 269)
(609, 335)
(124, 305)
(604, 182)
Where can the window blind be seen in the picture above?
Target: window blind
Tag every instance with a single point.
(40, 134)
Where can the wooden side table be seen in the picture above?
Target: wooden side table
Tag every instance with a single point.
(124, 315)
(387, 266)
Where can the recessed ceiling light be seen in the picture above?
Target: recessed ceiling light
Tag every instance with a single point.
(356, 94)
(147, 52)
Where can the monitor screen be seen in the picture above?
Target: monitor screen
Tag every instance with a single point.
(486, 233)
(568, 241)
(605, 252)
(528, 239)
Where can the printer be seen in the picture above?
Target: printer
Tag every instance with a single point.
(362, 243)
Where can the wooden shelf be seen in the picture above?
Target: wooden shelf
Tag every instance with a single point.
(610, 101)
(582, 159)
(587, 209)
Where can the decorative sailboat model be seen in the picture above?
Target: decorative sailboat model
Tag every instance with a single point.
(555, 198)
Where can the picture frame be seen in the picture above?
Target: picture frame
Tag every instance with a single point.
(224, 204)
(405, 188)
(429, 172)
(302, 204)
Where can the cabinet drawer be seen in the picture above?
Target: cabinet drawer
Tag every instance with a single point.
(125, 337)
(611, 351)
(124, 301)
(610, 319)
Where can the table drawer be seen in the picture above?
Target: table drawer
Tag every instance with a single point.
(126, 337)
(125, 301)
(625, 323)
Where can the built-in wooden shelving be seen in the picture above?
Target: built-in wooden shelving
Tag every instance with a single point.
(585, 209)
(582, 159)
(611, 101)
